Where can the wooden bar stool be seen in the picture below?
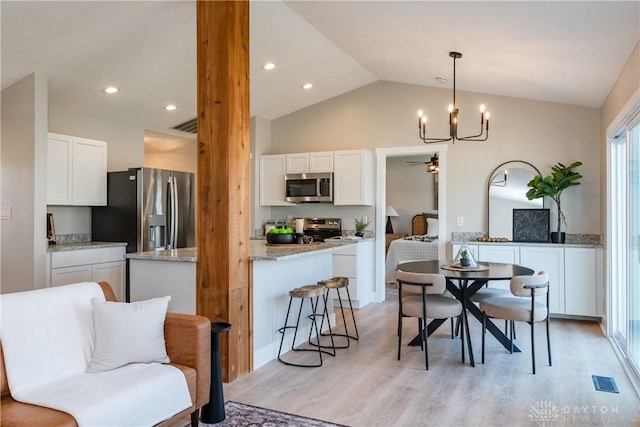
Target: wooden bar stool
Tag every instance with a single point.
(339, 283)
(312, 293)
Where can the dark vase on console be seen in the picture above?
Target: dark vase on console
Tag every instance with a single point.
(557, 237)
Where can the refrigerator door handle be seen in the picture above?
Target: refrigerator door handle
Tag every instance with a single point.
(170, 203)
(174, 217)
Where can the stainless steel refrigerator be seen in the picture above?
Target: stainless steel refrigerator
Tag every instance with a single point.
(150, 209)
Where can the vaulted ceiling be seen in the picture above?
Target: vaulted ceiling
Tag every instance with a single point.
(566, 52)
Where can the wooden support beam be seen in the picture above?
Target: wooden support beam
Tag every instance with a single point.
(223, 185)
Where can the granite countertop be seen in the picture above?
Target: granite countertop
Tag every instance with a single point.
(572, 240)
(83, 245)
(547, 244)
(181, 255)
(259, 251)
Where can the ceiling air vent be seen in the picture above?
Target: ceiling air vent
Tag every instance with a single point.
(190, 126)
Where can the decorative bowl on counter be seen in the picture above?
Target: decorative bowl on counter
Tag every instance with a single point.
(280, 238)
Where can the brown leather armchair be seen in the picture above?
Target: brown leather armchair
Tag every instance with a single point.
(188, 341)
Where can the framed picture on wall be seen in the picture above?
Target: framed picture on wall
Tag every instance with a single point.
(531, 225)
(51, 230)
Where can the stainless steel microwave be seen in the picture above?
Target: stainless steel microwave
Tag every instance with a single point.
(309, 187)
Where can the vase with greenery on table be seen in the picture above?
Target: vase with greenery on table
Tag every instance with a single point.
(361, 224)
(552, 186)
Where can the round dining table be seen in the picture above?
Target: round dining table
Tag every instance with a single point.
(463, 284)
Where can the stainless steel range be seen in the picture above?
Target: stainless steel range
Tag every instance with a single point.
(322, 228)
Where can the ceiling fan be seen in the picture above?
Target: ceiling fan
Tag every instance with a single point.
(432, 166)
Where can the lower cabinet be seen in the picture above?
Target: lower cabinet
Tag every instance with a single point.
(581, 282)
(551, 261)
(90, 265)
(575, 273)
(355, 262)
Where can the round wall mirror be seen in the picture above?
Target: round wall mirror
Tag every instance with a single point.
(507, 189)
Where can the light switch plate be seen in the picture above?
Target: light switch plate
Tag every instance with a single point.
(459, 221)
(5, 212)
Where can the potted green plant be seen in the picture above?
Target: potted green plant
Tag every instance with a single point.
(552, 186)
(361, 224)
(464, 258)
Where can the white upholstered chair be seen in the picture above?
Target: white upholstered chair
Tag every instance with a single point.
(422, 296)
(527, 308)
(487, 292)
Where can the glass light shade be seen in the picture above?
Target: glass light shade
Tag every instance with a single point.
(458, 258)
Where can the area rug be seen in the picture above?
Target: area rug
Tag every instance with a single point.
(240, 414)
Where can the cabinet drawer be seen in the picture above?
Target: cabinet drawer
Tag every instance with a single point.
(86, 256)
(344, 265)
(348, 250)
(69, 275)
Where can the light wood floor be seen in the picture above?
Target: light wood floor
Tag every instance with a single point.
(366, 385)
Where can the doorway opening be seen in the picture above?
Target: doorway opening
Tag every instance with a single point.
(381, 203)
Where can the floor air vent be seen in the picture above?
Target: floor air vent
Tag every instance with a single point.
(605, 384)
(190, 126)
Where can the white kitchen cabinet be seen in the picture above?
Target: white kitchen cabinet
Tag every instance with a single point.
(59, 170)
(355, 263)
(297, 163)
(551, 260)
(353, 177)
(321, 162)
(506, 254)
(113, 272)
(499, 253)
(318, 162)
(580, 282)
(273, 168)
(76, 171)
(455, 248)
(90, 265)
(69, 275)
(575, 273)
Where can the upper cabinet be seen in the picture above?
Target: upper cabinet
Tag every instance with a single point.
(310, 162)
(353, 177)
(76, 171)
(273, 168)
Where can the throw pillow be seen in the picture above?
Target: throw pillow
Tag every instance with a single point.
(128, 333)
(432, 227)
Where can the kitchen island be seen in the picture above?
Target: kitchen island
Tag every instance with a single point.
(275, 270)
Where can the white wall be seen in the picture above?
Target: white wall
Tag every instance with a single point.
(383, 114)
(23, 160)
(170, 152)
(71, 219)
(260, 143)
(628, 82)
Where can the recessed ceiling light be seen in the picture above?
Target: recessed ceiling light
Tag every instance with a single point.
(170, 107)
(111, 90)
(268, 66)
(307, 86)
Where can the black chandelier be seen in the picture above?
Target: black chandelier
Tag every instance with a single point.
(453, 118)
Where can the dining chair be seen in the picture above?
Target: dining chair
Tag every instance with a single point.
(487, 292)
(421, 295)
(523, 309)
